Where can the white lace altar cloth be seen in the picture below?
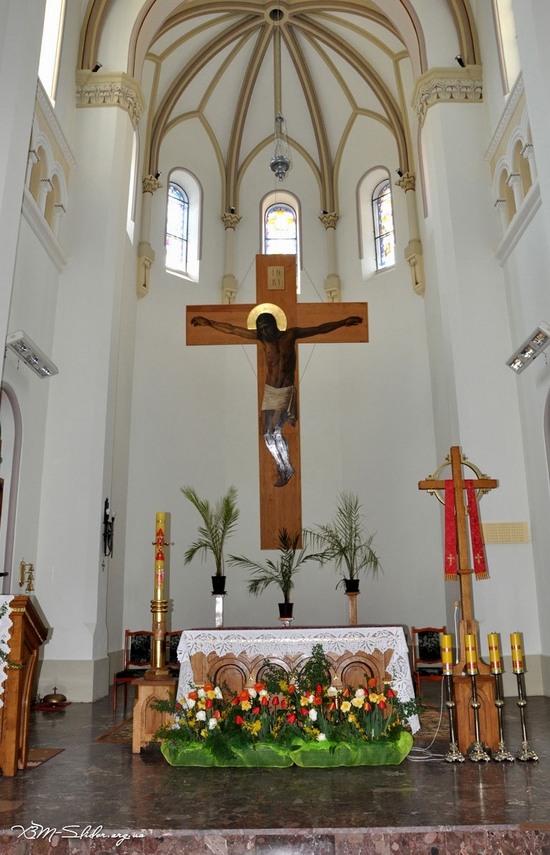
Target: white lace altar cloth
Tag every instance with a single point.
(5, 627)
(278, 642)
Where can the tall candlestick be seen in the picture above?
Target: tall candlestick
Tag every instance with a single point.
(471, 654)
(160, 541)
(447, 653)
(494, 653)
(517, 654)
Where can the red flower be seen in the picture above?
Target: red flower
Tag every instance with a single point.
(304, 710)
(209, 703)
(332, 705)
(256, 711)
(283, 704)
(317, 701)
(346, 693)
(216, 714)
(367, 706)
(291, 689)
(275, 701)
(235, 700)
(239, 719)
(264, 701)
(390, 693)
(291, 718)
(382, 705)
(318, 689)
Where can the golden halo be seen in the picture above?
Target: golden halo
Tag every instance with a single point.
(272, 309)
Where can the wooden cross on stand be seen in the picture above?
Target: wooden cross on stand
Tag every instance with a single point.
(280, 495)
(468, 625)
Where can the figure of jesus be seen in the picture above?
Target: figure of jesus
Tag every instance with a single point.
(279, 400)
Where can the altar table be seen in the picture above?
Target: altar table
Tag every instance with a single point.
(385, 646)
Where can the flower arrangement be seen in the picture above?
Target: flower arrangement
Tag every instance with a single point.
(289, 718)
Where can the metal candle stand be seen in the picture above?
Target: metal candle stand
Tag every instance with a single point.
(219, 610)
(476, 751)
(524, 753)
(453, 755)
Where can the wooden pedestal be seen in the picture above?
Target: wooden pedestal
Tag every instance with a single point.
(147, 720)
(488, 715)
(27, 634)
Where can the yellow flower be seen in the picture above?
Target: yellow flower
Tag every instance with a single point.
(373, 698)
(358, 702)
(346, 706)
(256, 727)
(304, 701)
(245, 705)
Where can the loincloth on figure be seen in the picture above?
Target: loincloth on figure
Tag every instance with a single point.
(281, 399)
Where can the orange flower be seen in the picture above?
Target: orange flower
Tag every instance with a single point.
(317, 701)
(208, 687)
(192, 696)
(259, 687)
(372, 683)
(244, 695)
(291, 689)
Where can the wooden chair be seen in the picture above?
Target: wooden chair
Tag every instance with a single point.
(426, 654)
(137, 659)
(171, 642)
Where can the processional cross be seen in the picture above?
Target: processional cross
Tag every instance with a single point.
(461, 556)
(280, 491)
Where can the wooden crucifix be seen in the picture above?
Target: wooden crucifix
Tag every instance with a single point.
(277, 360)
(467, 625)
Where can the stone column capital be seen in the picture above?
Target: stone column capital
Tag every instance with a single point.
(329, 219)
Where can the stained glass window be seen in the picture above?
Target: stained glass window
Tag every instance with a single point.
(384, 238)
(280, 230)
(177, 228)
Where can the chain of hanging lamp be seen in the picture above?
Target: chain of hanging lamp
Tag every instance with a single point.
(280, 161)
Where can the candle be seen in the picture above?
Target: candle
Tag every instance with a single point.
(471, 655)
(494, 653)
(517, 655)
(447, 653)
(160, 530)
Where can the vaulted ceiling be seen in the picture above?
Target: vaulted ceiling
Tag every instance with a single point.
(213, 61)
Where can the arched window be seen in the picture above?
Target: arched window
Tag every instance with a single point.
(51, 43)
(382, 213)
(280, 230)
(508, 53)
(183, 224)
(177, 228)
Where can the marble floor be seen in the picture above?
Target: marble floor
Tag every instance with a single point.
(102, 790)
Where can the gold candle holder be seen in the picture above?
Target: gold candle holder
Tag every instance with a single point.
(453, 755)
(476, 751)
(502, 752)
(159, 605)
(525, 752)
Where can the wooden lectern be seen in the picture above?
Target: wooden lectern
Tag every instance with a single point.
(27, 634)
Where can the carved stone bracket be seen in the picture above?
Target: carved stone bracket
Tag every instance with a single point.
(146, 257)
(151, 184)
(231, 220)
(332, 288)
(447, 84)
(329, 220)
(413, 254)
(230, 286)
(407, 181)
(108, 89)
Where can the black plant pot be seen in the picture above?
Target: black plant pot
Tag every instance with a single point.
(218, 584)
(351, 586)
(285, 610)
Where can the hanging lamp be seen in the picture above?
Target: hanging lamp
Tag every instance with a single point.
(280, 161)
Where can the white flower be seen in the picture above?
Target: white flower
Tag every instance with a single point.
(311, 698)
(360, 693)
(252, 693)
(201, 693)
(263, 693)
(191, 703)
(201, 715)
(313, 714)
(212, 723)
(218, 693)
(321, 737)
(332, 691)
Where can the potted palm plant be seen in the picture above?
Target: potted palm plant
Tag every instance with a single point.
(346, 542)
(280, 572)
(218, 523)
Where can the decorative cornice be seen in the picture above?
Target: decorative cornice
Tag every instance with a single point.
(329, 219)
(447, 84)
(46, 107)
(514, 98)
(407, 181)
(151, 184)
(110, 89)
(230, 220)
